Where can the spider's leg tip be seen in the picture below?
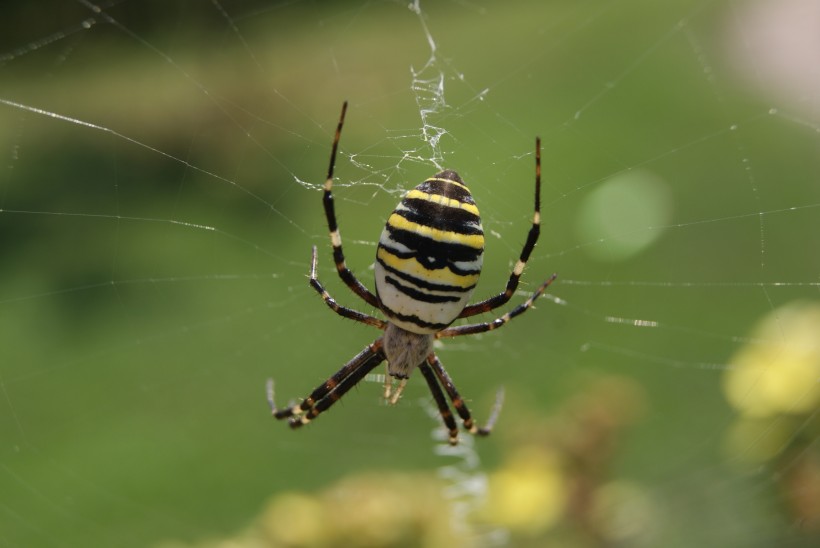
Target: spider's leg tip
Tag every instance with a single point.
(269, 394)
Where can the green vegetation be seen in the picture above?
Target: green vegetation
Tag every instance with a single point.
(155, 242)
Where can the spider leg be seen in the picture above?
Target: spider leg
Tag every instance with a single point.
(458, 401)
(441, 402)
(330, 391)
(474, 328)
(336, 307)
(532, 237)
(335, 238)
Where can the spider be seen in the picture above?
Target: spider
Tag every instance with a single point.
(428, 261)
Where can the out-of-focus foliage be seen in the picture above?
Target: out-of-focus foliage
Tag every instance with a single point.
(774, 384)
(556, 484)
(161, 165)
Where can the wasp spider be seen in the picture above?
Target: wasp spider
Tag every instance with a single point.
(427, 264)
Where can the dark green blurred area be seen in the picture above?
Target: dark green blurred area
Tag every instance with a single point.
(155, 235)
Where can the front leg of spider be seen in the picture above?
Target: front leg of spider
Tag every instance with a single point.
(428, 261)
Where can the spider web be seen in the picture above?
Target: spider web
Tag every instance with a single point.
(159, 197)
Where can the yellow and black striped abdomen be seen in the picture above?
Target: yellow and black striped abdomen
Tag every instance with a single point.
(430, 255)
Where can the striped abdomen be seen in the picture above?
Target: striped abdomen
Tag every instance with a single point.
(429, 255)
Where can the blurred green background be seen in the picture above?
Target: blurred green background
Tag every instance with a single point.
(159, 196)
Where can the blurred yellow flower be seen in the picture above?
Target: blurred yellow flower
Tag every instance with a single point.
(295, 519)
(755, 440)
(389, 509)
(778, 371)
(528, 493)
(773, 382)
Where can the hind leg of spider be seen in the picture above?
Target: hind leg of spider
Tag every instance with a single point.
(330, 391)
(458, 401)
(441, 402)
(324, 404)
